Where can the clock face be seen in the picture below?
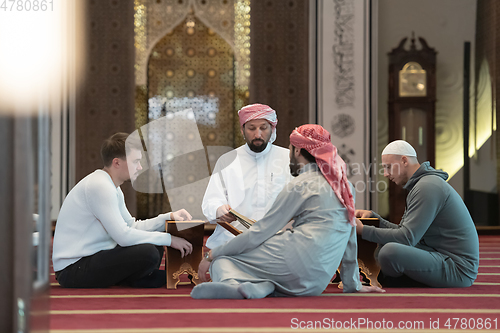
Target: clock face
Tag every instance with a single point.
(412, 81)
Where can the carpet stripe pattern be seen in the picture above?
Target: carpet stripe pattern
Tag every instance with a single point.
(127, 310)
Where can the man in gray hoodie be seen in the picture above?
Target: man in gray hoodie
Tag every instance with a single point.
(436, 242)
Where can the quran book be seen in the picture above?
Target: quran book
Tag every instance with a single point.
(244, 221)
(370, 221)
(229, 227)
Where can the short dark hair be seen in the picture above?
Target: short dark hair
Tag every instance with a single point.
(114, 147)
(306, 154)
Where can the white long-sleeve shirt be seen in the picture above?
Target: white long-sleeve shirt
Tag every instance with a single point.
(94, 217)
(247, 181)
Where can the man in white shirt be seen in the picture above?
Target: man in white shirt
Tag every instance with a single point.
(249, 178)
(97, 243)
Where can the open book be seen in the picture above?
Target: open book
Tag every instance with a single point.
(244, 221)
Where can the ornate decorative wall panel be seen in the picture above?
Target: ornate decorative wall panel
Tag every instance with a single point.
(193, 66)
(342, 95)
(192, 54)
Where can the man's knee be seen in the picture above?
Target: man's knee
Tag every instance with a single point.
(390, 256)
(388, 251)
(147, 252)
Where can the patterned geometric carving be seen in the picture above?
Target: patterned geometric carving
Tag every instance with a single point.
(186, 82)
(197, 74)
(343, 53)
(155, 18)
(200, 61)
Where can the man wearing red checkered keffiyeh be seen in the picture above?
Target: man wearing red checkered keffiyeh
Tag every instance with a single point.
(316, 141)
(266, 260)
(249, 178)
(255, 112)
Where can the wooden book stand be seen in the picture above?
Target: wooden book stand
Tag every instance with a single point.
(193, 232)
(366, 254)
(229, 227)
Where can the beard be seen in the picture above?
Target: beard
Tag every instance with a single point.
(294, 166)
(257, 148)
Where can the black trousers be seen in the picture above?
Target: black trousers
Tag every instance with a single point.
(135, 266)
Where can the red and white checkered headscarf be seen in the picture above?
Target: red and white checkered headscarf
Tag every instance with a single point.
(259, 111)
(316, 140)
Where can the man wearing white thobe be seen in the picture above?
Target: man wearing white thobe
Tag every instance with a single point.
(249, 178)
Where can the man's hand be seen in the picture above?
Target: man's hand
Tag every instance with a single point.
(182, 245)
(224, 215)
(371, 289)
(359, 213)
(181, 215)
(203, 269)
(359, 227)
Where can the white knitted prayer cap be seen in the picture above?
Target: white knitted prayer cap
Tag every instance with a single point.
(399, 147)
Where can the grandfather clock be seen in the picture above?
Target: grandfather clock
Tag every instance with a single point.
(412, 99)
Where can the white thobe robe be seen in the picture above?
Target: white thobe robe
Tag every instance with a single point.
(299, 261)
(247, 181)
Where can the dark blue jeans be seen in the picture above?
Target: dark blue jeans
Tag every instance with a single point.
(135, 266)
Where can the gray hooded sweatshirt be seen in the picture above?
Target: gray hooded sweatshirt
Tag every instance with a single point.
(435, 219)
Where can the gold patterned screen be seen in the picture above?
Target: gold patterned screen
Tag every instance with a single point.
(193, 68)
(202, 62)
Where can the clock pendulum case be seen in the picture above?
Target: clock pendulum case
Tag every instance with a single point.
(412, 100)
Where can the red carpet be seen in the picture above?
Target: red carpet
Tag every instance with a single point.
(119, 309)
